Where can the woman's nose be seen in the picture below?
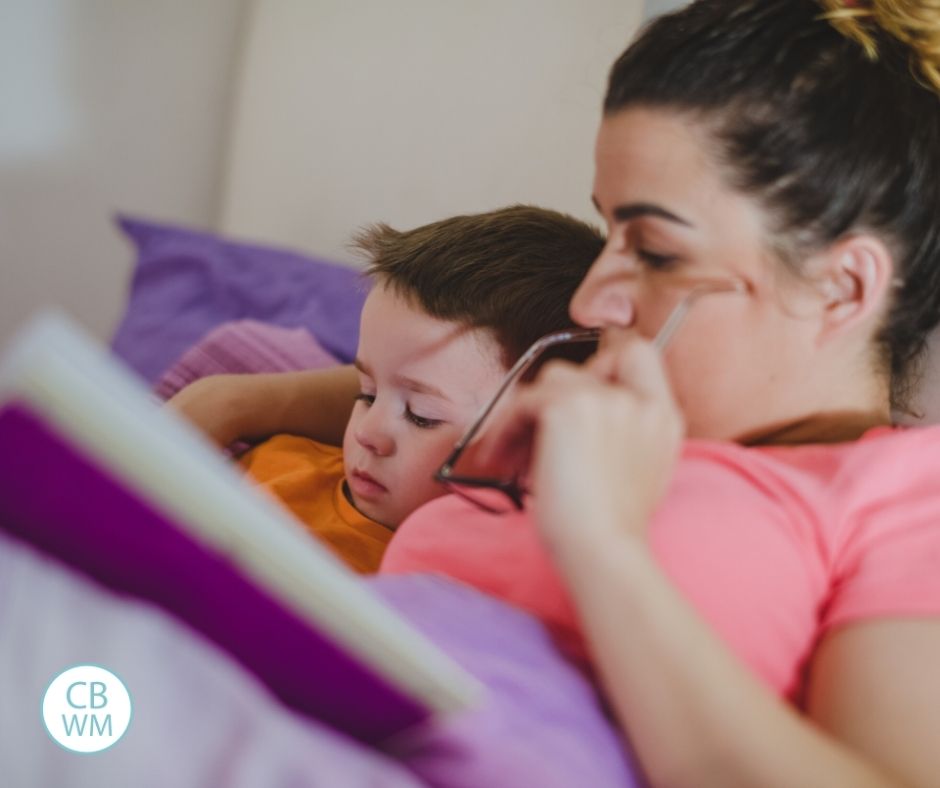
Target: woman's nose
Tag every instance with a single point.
(606, 297)
(372, 433)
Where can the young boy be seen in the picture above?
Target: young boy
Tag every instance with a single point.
(453, 305)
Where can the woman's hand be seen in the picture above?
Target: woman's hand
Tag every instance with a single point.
(601, 439)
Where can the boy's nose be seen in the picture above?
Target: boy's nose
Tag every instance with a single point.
(371, 434)
(606, 297)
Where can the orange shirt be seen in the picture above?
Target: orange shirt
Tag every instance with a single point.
(307, 477)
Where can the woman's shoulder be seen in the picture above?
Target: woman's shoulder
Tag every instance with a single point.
(896, 465)
(865, 513)
(877, 450)
(895, 458)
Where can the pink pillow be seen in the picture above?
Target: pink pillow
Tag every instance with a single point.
(244, 346)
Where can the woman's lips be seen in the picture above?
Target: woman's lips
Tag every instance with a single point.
(363, 485)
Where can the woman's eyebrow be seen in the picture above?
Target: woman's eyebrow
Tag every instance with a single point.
(628, 211)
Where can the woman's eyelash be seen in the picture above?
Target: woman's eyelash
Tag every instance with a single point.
(366, 398)
(649, 258)
(420, 421)
(656, 260)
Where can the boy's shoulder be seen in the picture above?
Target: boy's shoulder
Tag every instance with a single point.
(292, 451)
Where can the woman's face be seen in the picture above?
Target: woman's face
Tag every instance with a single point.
(737, 363)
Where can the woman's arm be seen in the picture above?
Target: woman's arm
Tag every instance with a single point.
(876, 686)
(314, 403)
(605, 441)
(697, 717)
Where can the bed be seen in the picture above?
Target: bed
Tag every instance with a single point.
(250, 295)
(207, 300)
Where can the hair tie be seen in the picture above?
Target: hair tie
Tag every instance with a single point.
(915, 23)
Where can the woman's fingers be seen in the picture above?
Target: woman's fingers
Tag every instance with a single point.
(627, 359)
(624, 360)
(578, 431)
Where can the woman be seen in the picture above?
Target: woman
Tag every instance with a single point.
(787, 554)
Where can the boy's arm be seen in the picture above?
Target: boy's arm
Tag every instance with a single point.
(312, 403)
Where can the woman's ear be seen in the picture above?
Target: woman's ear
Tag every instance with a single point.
(856, 280)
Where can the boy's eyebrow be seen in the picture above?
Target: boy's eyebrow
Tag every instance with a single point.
(627, 211)
(405, 382)
(419, 387)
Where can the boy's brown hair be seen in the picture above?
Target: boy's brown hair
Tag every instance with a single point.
(512, 271)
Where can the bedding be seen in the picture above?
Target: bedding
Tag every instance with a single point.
(186, 282)
(200, 719)
(244, 346)
(213, 305)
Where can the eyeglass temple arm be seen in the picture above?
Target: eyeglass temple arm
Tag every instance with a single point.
(666, 333)
(522, 363)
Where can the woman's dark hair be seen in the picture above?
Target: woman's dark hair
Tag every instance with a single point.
(830, 121)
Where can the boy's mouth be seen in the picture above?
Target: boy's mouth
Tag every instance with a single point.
(365, 486)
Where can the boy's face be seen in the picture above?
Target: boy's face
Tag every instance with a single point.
(421, 381)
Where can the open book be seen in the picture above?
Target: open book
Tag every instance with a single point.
(96, 473)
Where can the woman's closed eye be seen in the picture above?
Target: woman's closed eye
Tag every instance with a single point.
(629, 246)
(368, 399)
(659, 262)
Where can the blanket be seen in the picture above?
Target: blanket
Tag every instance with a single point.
(200, 719)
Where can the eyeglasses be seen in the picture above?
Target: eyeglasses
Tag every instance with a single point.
(502, 493)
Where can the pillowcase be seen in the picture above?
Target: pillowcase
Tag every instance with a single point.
(186, 282)
(244, 347)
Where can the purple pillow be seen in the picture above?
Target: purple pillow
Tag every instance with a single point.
(186, 282)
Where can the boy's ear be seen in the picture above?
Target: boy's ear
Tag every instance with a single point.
(856, 280)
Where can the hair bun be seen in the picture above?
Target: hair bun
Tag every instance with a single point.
(915, 23)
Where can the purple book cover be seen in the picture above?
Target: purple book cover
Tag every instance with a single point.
(65, 504)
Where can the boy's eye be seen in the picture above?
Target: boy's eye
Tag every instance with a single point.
(420, 421)
(366, 398)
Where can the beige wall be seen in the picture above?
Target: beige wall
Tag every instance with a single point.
(409, 111)
(656, 7)
(347, 112)
(104, 105)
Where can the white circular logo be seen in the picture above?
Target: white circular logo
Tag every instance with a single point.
(86, 708)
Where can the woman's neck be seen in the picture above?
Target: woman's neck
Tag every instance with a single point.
(840, 397)
(830, 427)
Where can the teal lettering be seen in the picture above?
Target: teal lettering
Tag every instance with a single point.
(75, 724)
(94, 724)
(95, 685)
(68, 694)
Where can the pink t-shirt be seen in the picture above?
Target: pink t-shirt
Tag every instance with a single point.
(774, 546)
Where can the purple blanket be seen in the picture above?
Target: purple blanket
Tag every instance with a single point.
(542, 725)
(201, 720)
